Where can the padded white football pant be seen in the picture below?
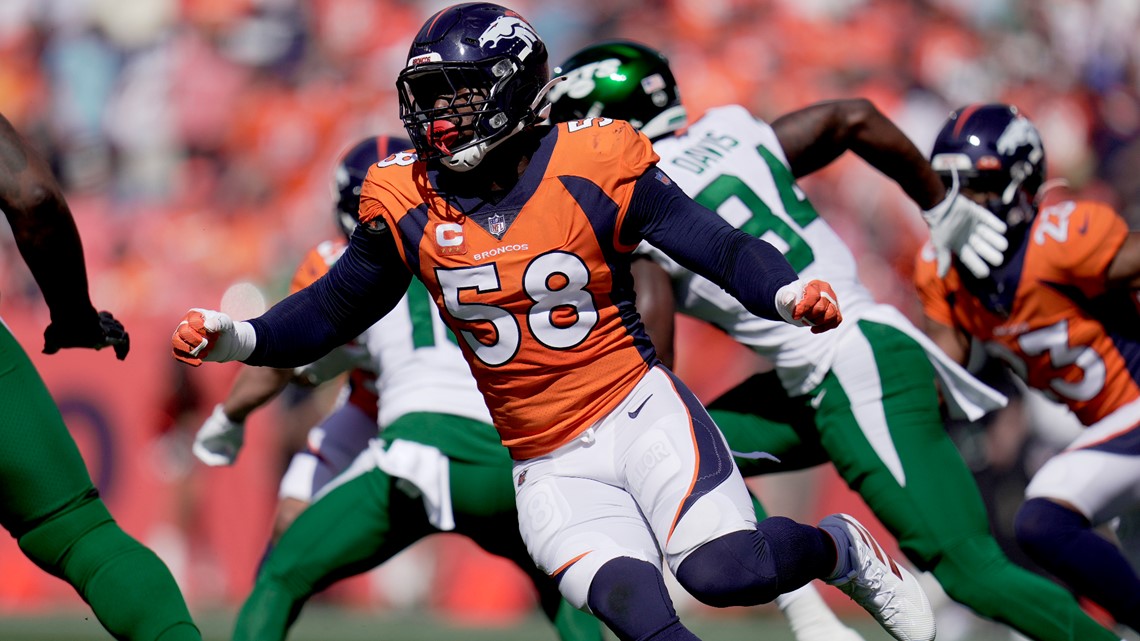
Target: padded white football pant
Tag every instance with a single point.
(653, 480)
(1099, 472)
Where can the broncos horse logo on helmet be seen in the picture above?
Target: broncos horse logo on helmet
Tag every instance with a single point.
(351, 170)
(476, 75)
(619, 79)
(505, 27)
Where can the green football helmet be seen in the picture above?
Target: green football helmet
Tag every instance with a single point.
(622, 80)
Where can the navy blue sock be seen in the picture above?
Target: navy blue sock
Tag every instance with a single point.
(1063, 542)
(630, 597)
(755, 566)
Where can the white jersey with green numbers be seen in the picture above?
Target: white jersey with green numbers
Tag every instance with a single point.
(734, 165)
(418, 363)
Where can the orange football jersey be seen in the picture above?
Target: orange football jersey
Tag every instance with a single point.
(1047, 314)
(536, 285)
(316, 263)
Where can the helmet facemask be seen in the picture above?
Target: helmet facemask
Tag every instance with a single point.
(476, 75)
(997, 155)
(457, 112)
(1010, 195)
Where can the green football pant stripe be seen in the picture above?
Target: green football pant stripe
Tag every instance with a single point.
(938, 516)
(365, 521)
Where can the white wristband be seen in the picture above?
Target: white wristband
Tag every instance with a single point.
(235, 345)
(245, 339)
(786, 299)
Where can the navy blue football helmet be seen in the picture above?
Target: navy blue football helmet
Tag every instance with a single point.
(476, 75)
(353, 168)
(993, 149)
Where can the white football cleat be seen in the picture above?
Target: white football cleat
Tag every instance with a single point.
(811, 619)
(884, 588)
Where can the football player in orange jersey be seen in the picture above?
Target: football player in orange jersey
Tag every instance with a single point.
(437, 468)
(1061, 313)
(47, 500)
(522, 232)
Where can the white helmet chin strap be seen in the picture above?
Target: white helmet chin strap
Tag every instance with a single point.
(467, 159)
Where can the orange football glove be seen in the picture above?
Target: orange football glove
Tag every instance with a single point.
(819, 307)
(191, 340)
(812, 305)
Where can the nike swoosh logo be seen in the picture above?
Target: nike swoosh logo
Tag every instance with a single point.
(637, 411)
(816, 400)
(1084, 225)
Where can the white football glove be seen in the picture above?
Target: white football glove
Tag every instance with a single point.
(219, 439)
(961, 226)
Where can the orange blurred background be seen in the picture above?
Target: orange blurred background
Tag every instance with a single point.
(195, 139)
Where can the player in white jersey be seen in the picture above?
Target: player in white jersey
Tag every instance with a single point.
(863, 396)
(345, 431)
(436, 467)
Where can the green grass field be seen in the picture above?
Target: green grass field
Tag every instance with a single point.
(332, 624)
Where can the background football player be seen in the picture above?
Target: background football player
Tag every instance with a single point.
(1061, 314)
(863, 396)
(47, 500)
(343, 433)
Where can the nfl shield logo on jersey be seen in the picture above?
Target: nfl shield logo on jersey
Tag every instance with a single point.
(497, 225)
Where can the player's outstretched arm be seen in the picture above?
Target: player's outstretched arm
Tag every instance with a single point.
(816, 135)
(365, 284)
(752, 270)
(48, 240)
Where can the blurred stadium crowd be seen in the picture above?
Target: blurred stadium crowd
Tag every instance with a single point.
(195, 137)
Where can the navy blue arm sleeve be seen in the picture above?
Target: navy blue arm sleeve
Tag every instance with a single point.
(750, 269)
(362, 286)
